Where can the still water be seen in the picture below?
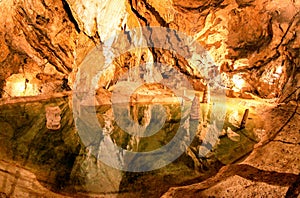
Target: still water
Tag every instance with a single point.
(68, 161)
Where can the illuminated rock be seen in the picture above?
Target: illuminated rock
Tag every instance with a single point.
(233, 135)
(234, 118)
(21, 85)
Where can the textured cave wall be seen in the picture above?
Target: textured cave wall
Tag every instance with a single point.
(40, 44)
(43, 42)
(257, 41)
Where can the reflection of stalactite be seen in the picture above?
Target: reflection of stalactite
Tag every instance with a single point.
(195, 109)
(108, 127)
(141, 116)
(107, 147)
(146, 117)
(53, 118)
(134, 112)
(134, 141)
(195, 116)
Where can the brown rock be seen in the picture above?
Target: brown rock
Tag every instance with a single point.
(249, 30)
(4, 49)
(19, 182)
(245, 95)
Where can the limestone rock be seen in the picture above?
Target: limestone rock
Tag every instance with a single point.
(19, 182)
(253, 43)
(253, 37)
(249, 30)
(99, 17)
(272, 168)
(232, 135)
(234, 118)
(4, 49)
(244, 3)
(33, 35)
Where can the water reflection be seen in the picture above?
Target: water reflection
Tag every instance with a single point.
(64, 164)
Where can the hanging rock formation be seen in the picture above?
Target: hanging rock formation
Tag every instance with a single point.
(256, 42)
(255, 45)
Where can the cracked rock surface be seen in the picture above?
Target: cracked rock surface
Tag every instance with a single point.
(256, 41)
(271, 170)
(254, 44)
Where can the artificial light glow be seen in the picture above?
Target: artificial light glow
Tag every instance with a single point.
(238, 81)
(279, 70)
(17, 85)
(18, 89)
(22, 88)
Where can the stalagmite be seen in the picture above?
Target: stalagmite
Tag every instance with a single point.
(206, 95)
(233, 135)
(195, 109)
(245, 117)
(53, 118)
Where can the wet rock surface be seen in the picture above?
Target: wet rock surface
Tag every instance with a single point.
(19, 182)
(275, 174)
(254, 44)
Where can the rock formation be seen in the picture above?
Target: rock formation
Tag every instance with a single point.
(254, 44)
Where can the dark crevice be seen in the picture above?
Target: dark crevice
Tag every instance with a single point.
(285, 100)
(285, 142)
(288, 29)
(137, 13)
(156, 14)
(44, 4)
(294, 189)
(267, 60)
(70, 15)
(201, 8)
(258, 175)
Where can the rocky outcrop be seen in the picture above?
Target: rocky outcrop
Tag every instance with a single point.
(99, 18)
(273, 175)
(37, 57)
(19, 182)
(250, 39)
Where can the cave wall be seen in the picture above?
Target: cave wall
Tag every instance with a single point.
(40, 45)
(254, 43)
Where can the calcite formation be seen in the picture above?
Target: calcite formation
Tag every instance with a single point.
(254, 40)
(254, 44)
